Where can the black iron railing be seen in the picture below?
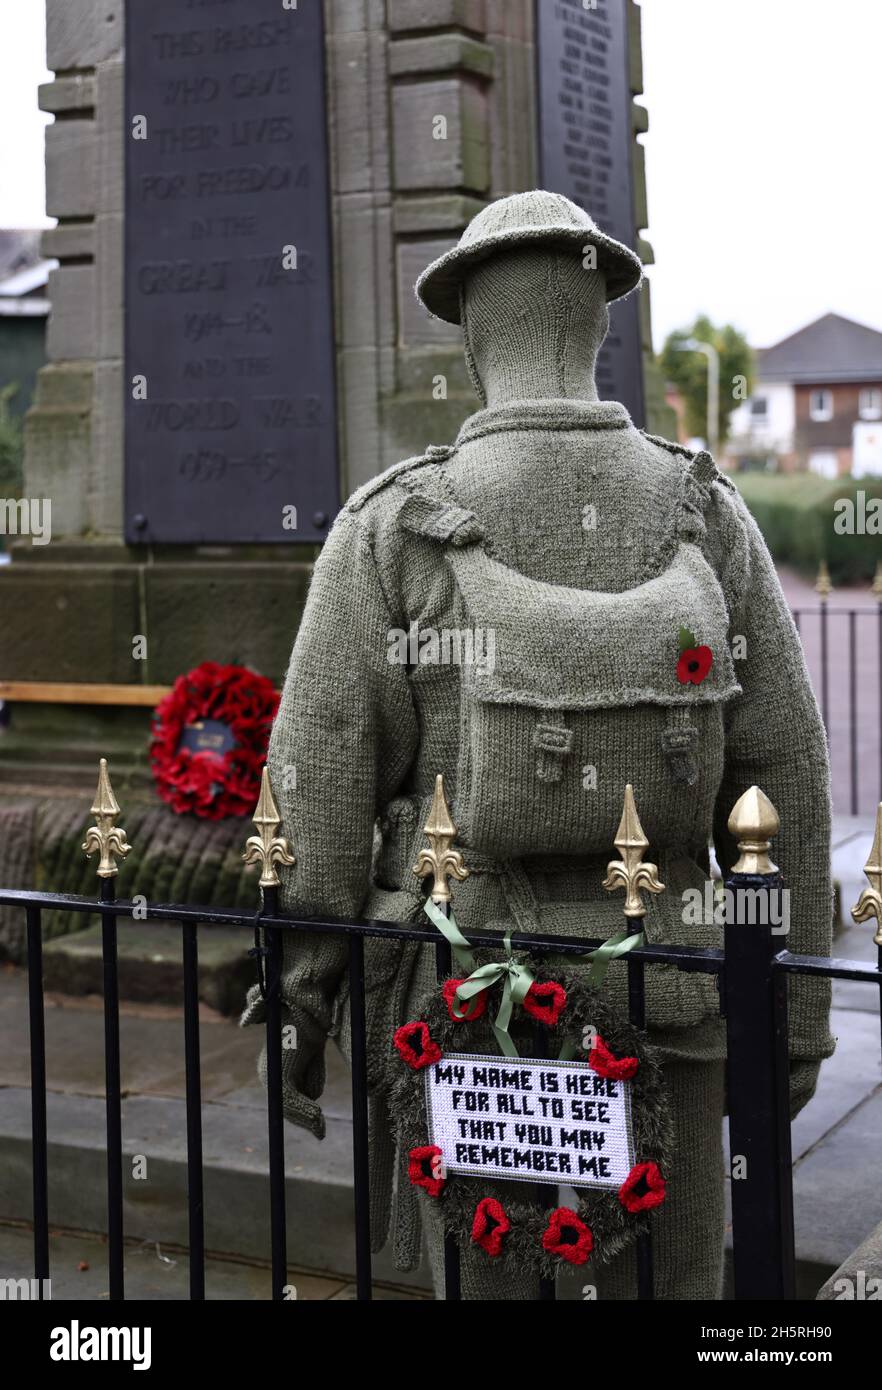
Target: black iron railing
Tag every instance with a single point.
(843, 650)
(752, 973)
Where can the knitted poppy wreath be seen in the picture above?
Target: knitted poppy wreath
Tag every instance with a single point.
(507, 1220)
(210, 737)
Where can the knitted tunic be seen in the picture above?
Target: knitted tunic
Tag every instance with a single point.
(557, 491)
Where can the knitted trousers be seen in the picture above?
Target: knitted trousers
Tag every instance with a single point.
(687, 1230)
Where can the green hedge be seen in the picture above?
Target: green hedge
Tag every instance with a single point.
(796, 514)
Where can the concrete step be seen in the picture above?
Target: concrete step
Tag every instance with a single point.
(150, 964)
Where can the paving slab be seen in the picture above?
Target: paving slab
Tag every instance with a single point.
(846, 1079)
(837, 1199)
(837, 1193)
(78, 1264)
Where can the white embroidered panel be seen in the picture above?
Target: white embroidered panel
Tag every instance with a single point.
(530, 1120)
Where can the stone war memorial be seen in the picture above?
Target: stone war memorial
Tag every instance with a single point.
(404, 873)
(246, 192)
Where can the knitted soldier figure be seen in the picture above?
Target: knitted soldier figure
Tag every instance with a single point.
(579, 547)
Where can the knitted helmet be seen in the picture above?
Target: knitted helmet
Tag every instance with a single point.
(542, 218)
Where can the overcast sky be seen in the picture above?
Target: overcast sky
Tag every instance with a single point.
(763, 156)
(22, 69)
(763, 161)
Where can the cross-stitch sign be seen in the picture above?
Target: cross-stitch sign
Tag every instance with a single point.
(529, 1120)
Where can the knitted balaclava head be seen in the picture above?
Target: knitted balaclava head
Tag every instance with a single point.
(533, 321)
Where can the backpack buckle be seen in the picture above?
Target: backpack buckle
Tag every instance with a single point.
(554, 744)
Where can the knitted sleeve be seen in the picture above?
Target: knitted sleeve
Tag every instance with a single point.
(343, 738)
(775, 739)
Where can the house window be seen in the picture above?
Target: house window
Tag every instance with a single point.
(870, 403)
(759, 408)
(821, 405)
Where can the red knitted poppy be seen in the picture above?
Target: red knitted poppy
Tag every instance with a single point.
(643, 1188)
(468, 1010)
(490, 1225)
(546, 1002)
(694, 664)
(416, 1045)
(422, 1168)
(601, 1060)
(568, 1236)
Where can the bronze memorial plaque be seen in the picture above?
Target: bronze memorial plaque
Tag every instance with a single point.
(585, 140)
(230, 415)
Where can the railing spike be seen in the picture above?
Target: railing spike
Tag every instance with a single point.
(754, 822)
(630, 872)
(823, 583)
(105, 838)
(869, 904)
(266, 848)
(442, 861)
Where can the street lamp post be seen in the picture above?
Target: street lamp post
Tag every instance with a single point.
(713, 389)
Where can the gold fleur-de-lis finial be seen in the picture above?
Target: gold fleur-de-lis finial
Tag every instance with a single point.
(107, 839)
(753, 823)
(630, 872)
(869, 904)
(266, 848)
(441, 860)
(823, 583)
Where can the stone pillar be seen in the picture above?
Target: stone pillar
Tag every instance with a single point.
(660, 417)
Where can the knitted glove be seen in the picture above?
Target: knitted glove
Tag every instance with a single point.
(803, 1082)
(303, 1056)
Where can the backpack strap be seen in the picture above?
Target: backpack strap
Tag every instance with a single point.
(403, 473)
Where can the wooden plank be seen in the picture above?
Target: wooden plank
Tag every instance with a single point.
(82, 693)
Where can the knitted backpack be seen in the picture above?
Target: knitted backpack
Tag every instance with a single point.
(564, 681)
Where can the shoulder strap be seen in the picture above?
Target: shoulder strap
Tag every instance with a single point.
(695, 494)
(439, 519)
(399, 472)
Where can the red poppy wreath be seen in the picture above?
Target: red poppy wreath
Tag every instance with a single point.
(431, 1079)
(209, 741)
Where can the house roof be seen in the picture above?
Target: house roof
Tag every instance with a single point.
(831, 349)
(19, 249)
(23, 274)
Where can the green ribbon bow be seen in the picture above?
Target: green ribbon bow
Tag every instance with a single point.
(516, 978)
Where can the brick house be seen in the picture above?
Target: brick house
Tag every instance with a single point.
(817, 403)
